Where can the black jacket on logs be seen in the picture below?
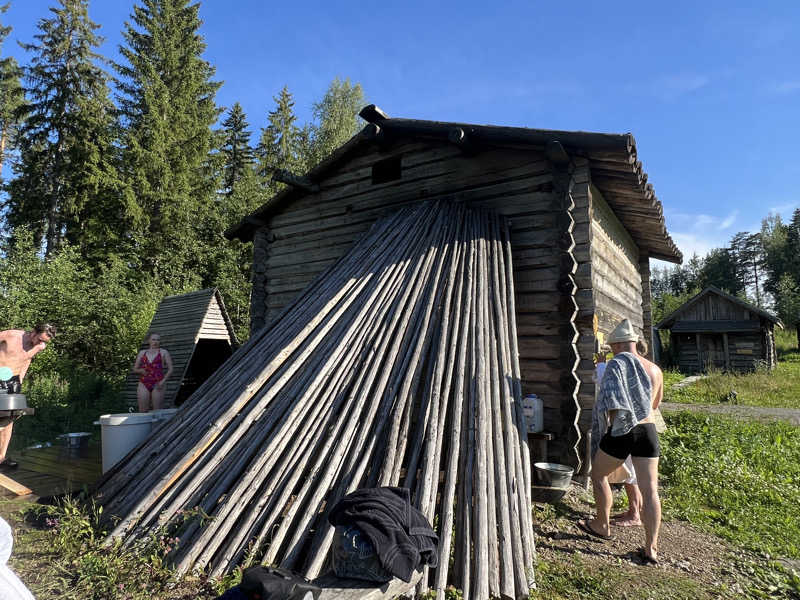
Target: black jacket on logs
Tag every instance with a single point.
(402, 537)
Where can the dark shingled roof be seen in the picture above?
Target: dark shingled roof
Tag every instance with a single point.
(613, 160)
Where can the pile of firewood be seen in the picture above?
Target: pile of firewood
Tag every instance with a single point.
(397, 366)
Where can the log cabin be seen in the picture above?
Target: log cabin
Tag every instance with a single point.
(715, 330)
(584, 221)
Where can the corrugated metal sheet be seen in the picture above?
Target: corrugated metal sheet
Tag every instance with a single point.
(182, 321)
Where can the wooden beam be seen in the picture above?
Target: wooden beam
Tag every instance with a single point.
(13, 486)
(372, 114)
(296, 181)
(556, 153)
(699, 352)
(727, 353)
(459, 137)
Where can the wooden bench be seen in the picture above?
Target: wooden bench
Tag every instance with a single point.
(355, 589)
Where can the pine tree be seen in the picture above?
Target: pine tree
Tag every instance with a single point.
(168, 107)
(11, 94)
(238, 154)
(66, 186)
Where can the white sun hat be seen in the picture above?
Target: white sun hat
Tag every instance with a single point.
(624, 332)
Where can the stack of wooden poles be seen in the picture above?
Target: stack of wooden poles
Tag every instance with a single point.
(397, 366)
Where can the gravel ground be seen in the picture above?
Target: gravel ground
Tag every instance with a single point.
(760, 413)
(683, 550)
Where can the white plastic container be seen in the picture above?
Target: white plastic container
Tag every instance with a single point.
(161, 415)
(121, 433)
(533, 409)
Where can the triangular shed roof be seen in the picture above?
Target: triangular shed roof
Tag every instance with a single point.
(668, 321)
(615, 170)
(182, 321)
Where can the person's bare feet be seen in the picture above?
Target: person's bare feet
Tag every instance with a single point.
(626, 520)
(626, 523)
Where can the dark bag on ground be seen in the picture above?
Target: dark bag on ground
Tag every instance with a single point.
(269, 583)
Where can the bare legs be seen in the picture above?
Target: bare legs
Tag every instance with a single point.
(5, 439)
(632, 516)
(158, 397)
(647, 476)
(602, 466)
(143, 397)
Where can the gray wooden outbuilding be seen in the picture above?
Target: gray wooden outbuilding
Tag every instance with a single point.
(197, 332)
(715, 330)
(585, 223)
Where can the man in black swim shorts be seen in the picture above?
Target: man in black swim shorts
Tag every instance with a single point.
(630, 395)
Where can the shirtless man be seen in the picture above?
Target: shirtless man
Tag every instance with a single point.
(641, 444)
(17, 349)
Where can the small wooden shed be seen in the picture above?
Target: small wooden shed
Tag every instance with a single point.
(717, 330)
(584, 224)
(199, 335)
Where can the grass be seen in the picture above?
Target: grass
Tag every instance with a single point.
(737, 479)
(778, 388)
(59, 552)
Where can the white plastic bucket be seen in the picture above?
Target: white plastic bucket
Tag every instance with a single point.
(121, 433)
(161, 415)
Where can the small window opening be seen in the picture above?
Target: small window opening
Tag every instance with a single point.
(386, 170)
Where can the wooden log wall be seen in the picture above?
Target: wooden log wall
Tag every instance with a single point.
(582, 234)
(745, 351)
(616, 276)
(303, 238)
(713, 307)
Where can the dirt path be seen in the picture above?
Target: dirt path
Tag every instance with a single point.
(760, 413)
(693, 564)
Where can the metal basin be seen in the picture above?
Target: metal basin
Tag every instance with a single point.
(75, 440)
(13, 401)
(552, 474)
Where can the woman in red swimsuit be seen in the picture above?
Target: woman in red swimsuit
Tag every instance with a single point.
(150, 365)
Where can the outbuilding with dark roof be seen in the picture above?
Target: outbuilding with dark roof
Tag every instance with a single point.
(585, 223)
(715, 330)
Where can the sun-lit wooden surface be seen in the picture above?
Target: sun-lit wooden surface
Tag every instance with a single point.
(55, 470)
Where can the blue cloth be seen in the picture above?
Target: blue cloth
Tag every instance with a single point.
(625, 388)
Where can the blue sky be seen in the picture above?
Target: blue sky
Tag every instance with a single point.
(710, 90)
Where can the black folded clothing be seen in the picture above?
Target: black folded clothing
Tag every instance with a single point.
(403, 538)
(270, 583)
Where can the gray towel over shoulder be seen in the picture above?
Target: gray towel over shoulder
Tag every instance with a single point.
(625, 387)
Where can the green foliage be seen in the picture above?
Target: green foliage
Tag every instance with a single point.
(11, 94)
(102, 313)
(80, 565)
(167, 107)
(336, 117)
(283, 144)
(738, 479)
(66, 186)
(239, 156)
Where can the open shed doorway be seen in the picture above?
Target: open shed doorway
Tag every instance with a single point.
(208, 356)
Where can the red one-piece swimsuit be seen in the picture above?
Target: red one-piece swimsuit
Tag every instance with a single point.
(154, 371)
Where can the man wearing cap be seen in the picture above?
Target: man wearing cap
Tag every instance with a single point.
(622, 425)
(17, 349)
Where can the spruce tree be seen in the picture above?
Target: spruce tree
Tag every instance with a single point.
(11, 94)
(281, 143)
(66, 185)
(167, 106)
(238, 155)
